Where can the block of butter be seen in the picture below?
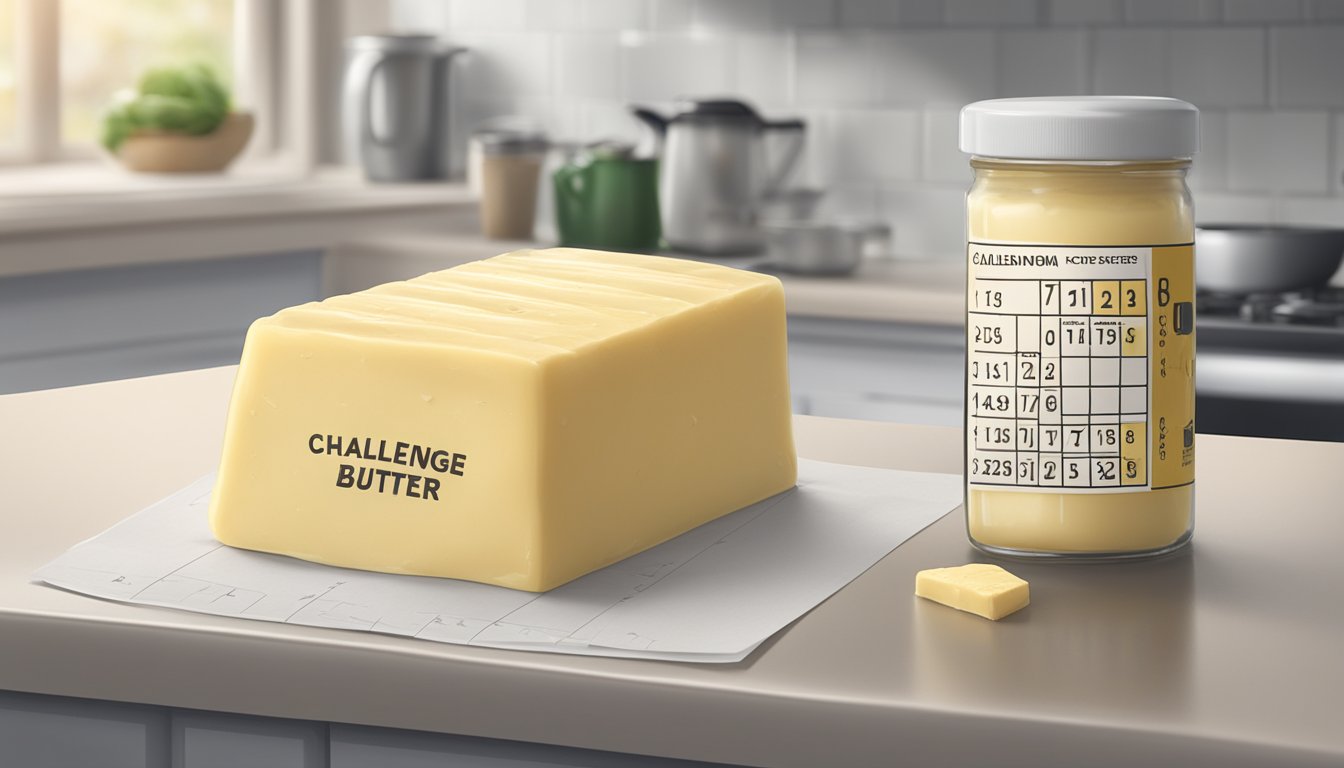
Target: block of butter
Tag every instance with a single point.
(517, 421)
(979, 588)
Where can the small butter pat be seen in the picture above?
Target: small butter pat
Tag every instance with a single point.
(979, 588)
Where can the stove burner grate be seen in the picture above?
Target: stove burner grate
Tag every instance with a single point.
(1321, 307)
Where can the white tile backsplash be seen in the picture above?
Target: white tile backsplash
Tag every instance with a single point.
(1312, 212)
(806, 14)
(763, 67)
(1288, 151)
(869, 13)
(868, 145)
(834, 69)
(664, 67)
(990, 12)
(420, 16)
(1172, 11)
(514, 65)
(500, 15)
(736, 16)
(1042, 62)
(1128, 62)
(928, 222)
(943, 160)
(1240, 11)
(1210, 167)
(921, 13)
(1309, 66)
(612, 14)
(554, 15)
(610, 120)
(881, 83)
(854, 201)
(916, 68)
(1337, 153)
(1325, 9)
(1215, 208)
(564, 119)
(1086, 11)
(671, 15)
(588, 67)
(1219, 67)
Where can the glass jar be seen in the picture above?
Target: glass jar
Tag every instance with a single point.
(1080, 340)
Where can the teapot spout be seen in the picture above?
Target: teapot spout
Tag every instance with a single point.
(650, 118)
(651, 143)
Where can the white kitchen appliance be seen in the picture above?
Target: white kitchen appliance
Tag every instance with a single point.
(396, 105)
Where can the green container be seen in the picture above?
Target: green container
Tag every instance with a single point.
(608, 203)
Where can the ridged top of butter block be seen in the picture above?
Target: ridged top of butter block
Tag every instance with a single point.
(529, 304)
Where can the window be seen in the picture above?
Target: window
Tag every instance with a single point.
(8, 75)
(106, 44)
(62, 62)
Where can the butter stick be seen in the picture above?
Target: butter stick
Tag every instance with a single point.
(980, 588)
(518, 421)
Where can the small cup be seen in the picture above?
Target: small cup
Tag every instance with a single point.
(510, 169)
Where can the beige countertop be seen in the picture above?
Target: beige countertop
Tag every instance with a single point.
(125, 219)
(1227, 654)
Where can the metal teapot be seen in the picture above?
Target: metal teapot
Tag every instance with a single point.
(715, 173)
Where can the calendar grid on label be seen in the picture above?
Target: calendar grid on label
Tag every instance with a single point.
(1057, 378)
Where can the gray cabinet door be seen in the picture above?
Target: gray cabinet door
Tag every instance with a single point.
(57, 732)
(68, 328)
(878, 371)
(39, 731)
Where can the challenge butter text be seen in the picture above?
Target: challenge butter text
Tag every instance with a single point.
(380, 480)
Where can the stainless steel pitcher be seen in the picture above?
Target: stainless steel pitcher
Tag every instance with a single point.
(716, 174)
(396, 105)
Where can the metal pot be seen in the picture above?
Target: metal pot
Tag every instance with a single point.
(795, 204)
(1253, 259)
(820, 248)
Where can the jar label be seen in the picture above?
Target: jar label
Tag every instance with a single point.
(1079, 367)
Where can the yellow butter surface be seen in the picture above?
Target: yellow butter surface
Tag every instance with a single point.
(517, 421)
(980, 588)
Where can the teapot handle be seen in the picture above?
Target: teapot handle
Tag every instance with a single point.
(568, 181)
(359, 95)
(775, 180)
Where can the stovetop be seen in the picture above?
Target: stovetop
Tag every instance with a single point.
(1271, 364)
(1322, 307)
(1304, 322)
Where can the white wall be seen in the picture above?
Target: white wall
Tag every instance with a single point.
(880, 82)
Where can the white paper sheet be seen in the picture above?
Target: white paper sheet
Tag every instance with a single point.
(710, 595)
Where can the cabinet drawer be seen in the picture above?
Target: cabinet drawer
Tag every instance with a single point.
(215, 740)
(359, 747)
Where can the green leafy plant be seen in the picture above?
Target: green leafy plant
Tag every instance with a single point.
(188, 100)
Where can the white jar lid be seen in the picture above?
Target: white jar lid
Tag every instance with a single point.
(1081, 128)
